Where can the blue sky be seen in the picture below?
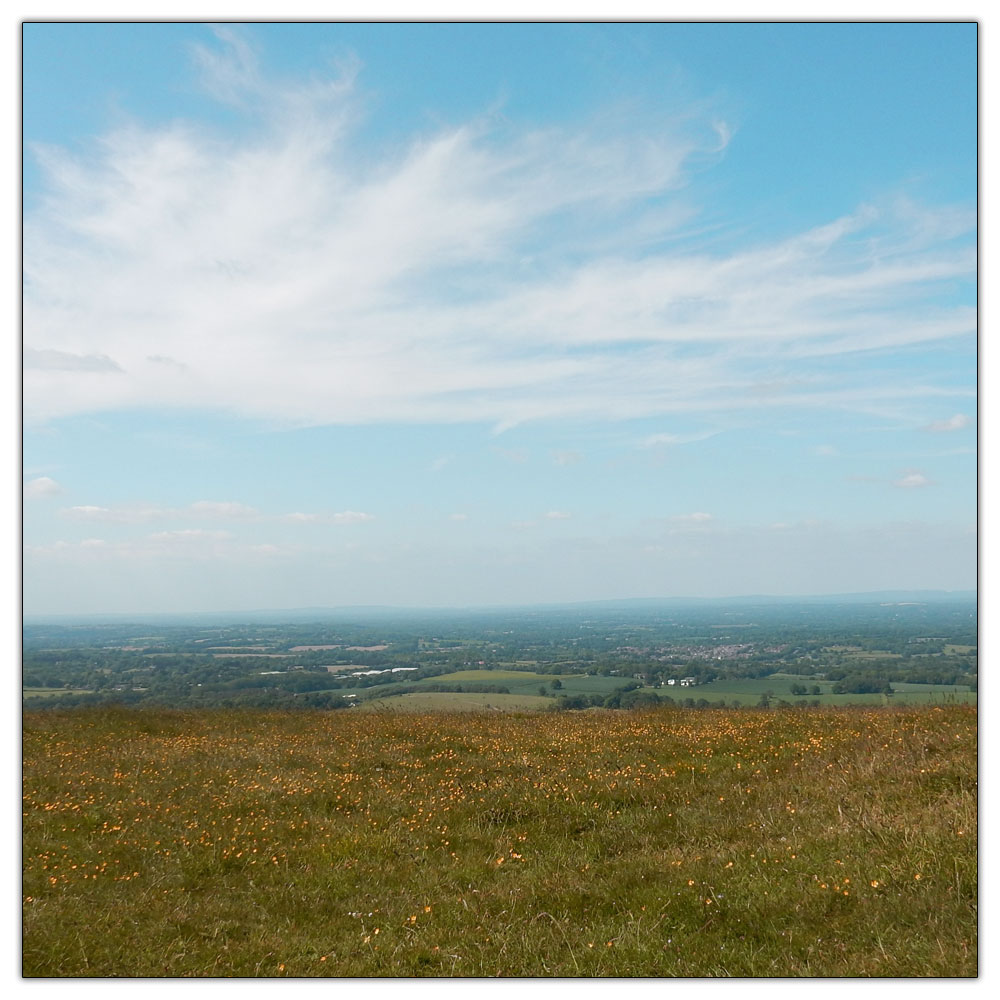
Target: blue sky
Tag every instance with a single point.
(495, 314)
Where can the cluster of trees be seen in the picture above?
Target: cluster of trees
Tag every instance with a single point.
(466, 687)
(862, 684)
(800, 689)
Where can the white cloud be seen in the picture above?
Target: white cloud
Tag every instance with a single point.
(397, 289)
(351, 517)
(698, 517)
(221, 509)
(200, 510)
(566, 457)
(439, 463)
(912, 480)
(955, 423)
(801, 558)
(459, 517)
(340, 517)
(189, 534)
(655, 440)
(89, 512)
(658, 440)
(558, 515)
(43, 486)
(207, 510)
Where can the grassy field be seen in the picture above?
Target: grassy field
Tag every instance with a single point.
(528, 682)
(454, 701)
(747, 691)
(826, 842)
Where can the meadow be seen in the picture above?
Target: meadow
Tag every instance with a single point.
(788, 842)
(456, 701)
(747, 691)
(524, 687)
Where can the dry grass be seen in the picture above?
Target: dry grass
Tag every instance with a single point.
(664, 843)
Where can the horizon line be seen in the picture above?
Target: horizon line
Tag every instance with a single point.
(965, 593)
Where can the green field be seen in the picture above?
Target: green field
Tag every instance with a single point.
(932, 689)
(735, 692)
(748, 691)
(454, 701)
(663, 843)
(528, 682)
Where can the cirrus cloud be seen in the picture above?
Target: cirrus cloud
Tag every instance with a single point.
(956, 423)
(482, 272)
(207, 510)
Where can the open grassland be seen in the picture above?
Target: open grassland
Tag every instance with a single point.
(826, 842)
(528, 682)
(456, 701)
(747, 691)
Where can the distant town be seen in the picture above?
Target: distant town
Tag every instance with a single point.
(571, 658)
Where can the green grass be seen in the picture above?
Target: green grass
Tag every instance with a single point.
(454, 701)
(827, 842)
(875, 654)
(914, 688)
(528, 682)
(747, 691)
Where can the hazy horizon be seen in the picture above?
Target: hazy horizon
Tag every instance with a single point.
(472, 315)
(678, 602)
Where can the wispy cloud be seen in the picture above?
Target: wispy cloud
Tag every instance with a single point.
(196, 544)
(772, 559)
(65, 361)
(955, 423)
(912, 480)
(139, 514)
(328, 517)
(190, 535)
(43, 486)
(207, 510)
(397, 289)
(666, 439)
(351, 517)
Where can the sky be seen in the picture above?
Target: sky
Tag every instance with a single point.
(474, 314)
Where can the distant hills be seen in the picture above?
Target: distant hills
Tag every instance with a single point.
(645, 604)
(869, 597)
